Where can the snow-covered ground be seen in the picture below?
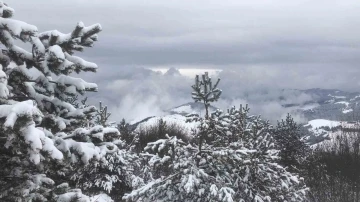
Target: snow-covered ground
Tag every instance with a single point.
(174, 118)
(347, 111)
(343, 102)
(320, 134)
(356, 97)
(337, 97)
(317, 123)
(331, 135)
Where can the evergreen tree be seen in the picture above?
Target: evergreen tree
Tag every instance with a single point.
(114, 172)
(204, 91)
(293, 150)
(234, 159)
(102, 116)
(126, 133)
(44, 137)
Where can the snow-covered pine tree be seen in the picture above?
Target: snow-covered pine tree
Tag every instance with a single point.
(40, 129)
(114, 172)
(127, 134)
(102, 116)
(206, 92)
(238, 163)
(261, 176)
(293, 150)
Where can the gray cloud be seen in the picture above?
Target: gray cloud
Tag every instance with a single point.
(209, 32)
(264, 46)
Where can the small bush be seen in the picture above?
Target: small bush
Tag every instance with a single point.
(158, 131)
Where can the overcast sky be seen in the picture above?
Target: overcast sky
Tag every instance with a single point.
(267, 43)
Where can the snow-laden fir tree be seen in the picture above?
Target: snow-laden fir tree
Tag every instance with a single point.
(114, 173)
(236, 161)
(205, 91)
(127, 134)
(42, 134)
(292, 148)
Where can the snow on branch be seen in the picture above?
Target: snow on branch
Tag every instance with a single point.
(79, 145)
(32, 136)
(80, 84)
(13, 112)
(205, 90)
(18, 29)
(75, 41)
(6, 11)
(81, 64)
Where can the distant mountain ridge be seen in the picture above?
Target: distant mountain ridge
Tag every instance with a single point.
(176, 115)
(333, 105)
(329, 107)
(172, 72)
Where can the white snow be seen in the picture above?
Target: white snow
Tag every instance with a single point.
(356, 97)
(175, 118)
(33, 136)
(17, 27)
(12, 112)
(86, 150)
(347, 111)
(316, 123)
(85, 65)
(38, 141)
(337, 97)
(37, 42)
(4, 91)
(334, 135)
(6, 10)
(80, 84)
(75, 194)
(101, 198)
(343, 102)
(57, 52)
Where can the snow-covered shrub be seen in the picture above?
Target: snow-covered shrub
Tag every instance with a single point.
(233, 159)
(293, 150)
(158, 130)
